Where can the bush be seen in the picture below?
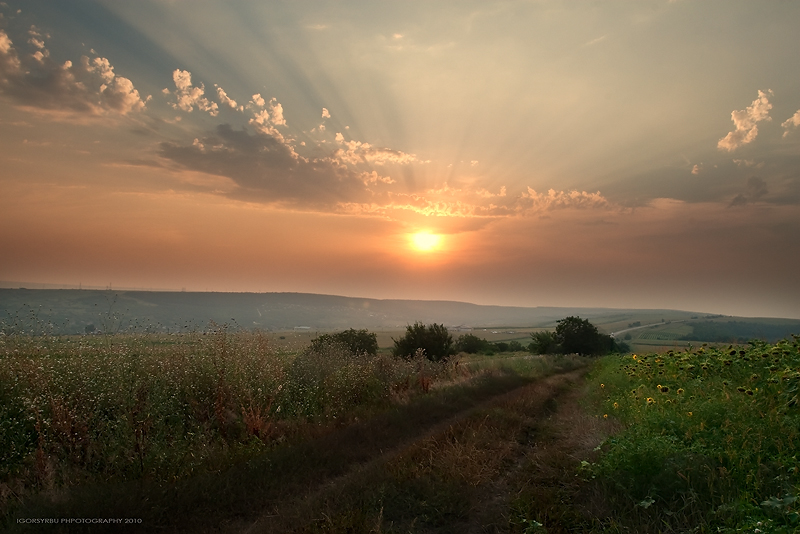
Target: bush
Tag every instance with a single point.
(356, 341)
(470, 343)
(544, 343)
(515, 346)
(434, 339)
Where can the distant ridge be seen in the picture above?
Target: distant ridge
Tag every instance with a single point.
(72, 311)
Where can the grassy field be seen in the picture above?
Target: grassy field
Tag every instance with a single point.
(232, 432)
(138, 415)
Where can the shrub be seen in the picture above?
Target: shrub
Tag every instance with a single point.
(356, 341)
(470, 343)
(434, 339)
(515, 346)
(544, 343)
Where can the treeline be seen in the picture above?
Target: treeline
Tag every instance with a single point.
(738, 331)
(572, 335)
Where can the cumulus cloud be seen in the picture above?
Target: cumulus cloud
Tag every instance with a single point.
(257, 101)
(36, 39)
(225, 100)
(325, 113)
(791, 123)
(266, 116)
(355, 152)
(266, 169)
(188, 97)
(89, 87)
(696, 168)
(746, 122)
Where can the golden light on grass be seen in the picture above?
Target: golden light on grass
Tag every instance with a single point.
(425, 241)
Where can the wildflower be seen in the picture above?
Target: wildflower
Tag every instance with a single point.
(634, 356)
(605, 416)
(650, 400)
(664, 389)
(680, 391)
(749, 392)
(616, 405)
(690, 414)
(602, 385)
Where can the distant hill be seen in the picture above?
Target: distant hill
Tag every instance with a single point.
(73, 311)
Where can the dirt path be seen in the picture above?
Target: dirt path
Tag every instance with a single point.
(460, 474)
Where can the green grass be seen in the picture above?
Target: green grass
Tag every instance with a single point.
(711, 439)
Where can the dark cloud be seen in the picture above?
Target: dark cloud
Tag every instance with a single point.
(755, 190)
(267, 169)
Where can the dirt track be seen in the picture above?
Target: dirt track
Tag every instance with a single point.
(548, 422)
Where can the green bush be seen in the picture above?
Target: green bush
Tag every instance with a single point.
(544, 343)
(470, 343)
(433, 339)
(356, 341)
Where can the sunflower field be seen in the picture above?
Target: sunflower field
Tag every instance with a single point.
(710, 438)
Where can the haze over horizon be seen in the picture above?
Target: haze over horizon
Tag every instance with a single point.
(520, 152)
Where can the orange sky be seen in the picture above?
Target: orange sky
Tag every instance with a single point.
(563, 156)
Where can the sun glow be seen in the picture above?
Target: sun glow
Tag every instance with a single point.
(426, 242)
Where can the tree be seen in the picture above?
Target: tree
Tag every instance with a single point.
(470, 343)
(501, 346)
(576, 335)
(434, 339)
(544, 343)
(515, 346)
(356, 341)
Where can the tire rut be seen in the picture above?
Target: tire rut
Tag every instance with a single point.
(286, 514)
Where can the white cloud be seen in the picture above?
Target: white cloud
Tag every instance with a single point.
(746, 121)
(89, 87)
(596, 41)
(225, 100)
(553, 200)
(355, 152)
(257, 101)
(277, 112)
(696, 169)
(189, 96)
(791, 122)
(265, 120)
(325, 113)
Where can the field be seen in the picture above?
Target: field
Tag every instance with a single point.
(710, 439)
(240, 431)
(112, 422)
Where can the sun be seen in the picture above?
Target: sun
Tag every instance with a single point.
(425, 241)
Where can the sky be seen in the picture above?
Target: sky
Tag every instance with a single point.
(616, 153)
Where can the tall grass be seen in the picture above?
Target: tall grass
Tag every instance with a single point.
(711, 440)
(77, 410)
